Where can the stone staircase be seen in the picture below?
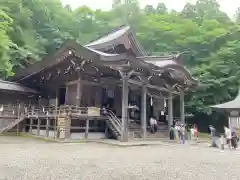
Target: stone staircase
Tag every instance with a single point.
(8, 124)
(114, 124)
(162, 131)
(134, 130)
(9, 118)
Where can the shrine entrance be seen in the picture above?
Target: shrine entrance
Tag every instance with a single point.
(108, 98)
(62, 95)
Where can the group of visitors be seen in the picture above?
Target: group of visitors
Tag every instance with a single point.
(231, 138)
(183, 132)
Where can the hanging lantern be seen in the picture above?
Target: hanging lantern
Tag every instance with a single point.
(151, 101)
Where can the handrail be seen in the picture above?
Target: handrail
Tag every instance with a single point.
(114, 120)
(115, 125)
(12, 124)
(114, 116)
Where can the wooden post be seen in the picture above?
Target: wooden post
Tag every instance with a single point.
(68, 127)
(47, 126)
(78, 97)
(56, 115)
(18, 116)
(182, 108)
(124, 128)
(66, 95)
(87, 128)
(170, 110)
(38, 126)
(144, 112)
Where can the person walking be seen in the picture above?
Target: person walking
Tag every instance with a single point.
(195, 131)
(177, 132)
(155, 124)
(228, 135)
(182, 134)
(152, 124)
(213, 135)
(171, 133)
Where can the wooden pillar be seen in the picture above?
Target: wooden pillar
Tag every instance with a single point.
(170, 110)
(78, 97)
(182, 108)
(38, 126)
(87, 128)
(66, 95)
(144, 112)
(19, 116)
(56, 115)
(68, 127)
(124, 129)
(47, 125)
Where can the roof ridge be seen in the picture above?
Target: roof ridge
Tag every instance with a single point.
(109, 32)
(9, 82)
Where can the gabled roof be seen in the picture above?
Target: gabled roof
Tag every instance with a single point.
(169, 62)
(94, 51)
(11, 86)
(230, 105)
(69, 48)
(122, 35)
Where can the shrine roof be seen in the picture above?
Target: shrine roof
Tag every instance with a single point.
(94, 51)
(169, 62)
(230, 105)
(122, 35)
(11, 86)
(109, 38)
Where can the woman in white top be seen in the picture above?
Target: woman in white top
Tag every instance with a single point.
(228, 135)
(152, 124)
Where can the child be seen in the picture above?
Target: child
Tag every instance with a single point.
(195, 131)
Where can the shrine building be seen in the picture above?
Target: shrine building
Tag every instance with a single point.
(62, 95)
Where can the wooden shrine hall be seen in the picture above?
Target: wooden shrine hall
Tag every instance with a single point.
(109, 86)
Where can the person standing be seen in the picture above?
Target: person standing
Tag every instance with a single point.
(195, 131)
(182, 134)
(213, 135)
(171, 133)
(228, 135)
(155, 124)
(152, 124)
(189, 132)
(177, 132)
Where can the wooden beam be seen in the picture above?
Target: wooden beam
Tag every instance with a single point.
(138, 83)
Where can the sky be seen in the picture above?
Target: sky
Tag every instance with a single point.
(229, 6)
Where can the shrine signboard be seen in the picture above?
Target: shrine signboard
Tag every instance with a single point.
(61, 123)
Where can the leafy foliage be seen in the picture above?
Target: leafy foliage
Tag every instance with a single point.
(29, 29)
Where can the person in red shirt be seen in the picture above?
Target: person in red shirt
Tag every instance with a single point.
(195, 131)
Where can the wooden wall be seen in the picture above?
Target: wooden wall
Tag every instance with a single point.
(89, 94)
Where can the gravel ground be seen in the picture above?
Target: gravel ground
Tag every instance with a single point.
(28, 159)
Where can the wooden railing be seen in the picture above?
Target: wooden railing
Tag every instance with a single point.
(9, 111)
(50, 111)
